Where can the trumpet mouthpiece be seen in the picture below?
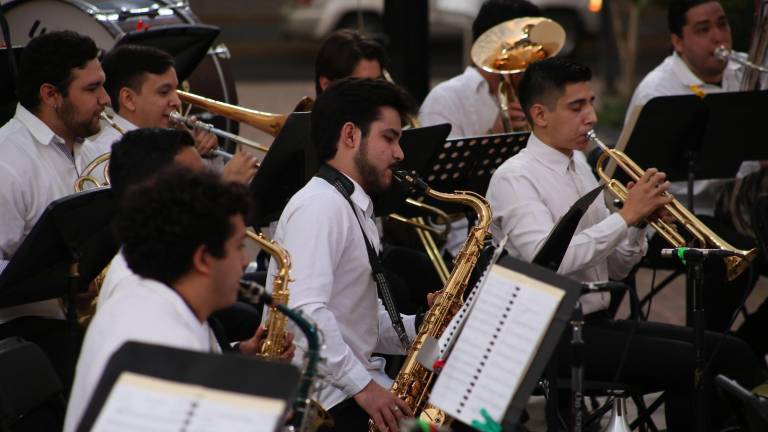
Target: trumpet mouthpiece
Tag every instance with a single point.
(722, 53)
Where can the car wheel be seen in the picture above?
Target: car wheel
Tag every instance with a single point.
(572, 27)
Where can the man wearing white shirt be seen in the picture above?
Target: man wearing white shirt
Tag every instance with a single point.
(697, 28)
(468, 101)
(61, 95)
(142, 82)
(356, 128)
(183, 236)
(532, 190)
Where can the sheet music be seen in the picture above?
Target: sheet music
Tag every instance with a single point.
(495, 348)
(138, 402)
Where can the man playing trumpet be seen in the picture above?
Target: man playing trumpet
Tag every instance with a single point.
(142, 82)
(532, 190)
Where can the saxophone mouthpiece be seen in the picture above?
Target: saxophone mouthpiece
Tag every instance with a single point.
(254, 292)
(411, 179)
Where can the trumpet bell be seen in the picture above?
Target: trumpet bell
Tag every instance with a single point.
(511, 46)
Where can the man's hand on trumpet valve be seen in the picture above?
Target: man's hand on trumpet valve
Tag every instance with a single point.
(241, 168)
(204, 140)
(646, 198)
(252, 346)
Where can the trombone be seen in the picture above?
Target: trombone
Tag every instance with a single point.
(177, 118)
(705, 237)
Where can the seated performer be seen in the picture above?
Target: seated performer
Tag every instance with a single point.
(356, 127)
(348, 53)
(532, 190)
(697, 28)
(142, 82)
(182, 234)
(61, 95)
(468, 101)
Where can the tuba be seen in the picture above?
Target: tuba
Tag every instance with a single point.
(313, 416)
(509, 48)
(263, 121)
(414, 381)
(705, 237)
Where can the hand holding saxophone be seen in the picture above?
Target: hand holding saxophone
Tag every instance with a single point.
(386, 409)
(646, 198)
(252, 346)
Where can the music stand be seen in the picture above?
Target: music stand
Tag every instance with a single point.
(73, 231)
(187, 43)
(288, 165)
(233, 373)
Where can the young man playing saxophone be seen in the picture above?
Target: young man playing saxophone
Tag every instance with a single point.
(532, 190)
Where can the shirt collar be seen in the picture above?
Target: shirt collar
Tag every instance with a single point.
(39, 130)
(361, 198)
(475, 80)
(550, 157)
(688, 78)
(124, 123)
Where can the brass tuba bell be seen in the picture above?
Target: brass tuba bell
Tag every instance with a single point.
(510, 47)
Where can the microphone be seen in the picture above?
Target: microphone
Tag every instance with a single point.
(605, 286)
(686, 253)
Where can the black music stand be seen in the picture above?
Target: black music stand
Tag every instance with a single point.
(458, 164)
(74, 232)
(187, 43)
(233, 373)
(288, 165)
(703, 141)
(552, 252)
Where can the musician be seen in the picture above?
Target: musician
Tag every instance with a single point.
(468, 101)
(356, 127)
(61, 94)
(183, 234)
(532, 190)
(142, 82)
(697, 28)
(348, 53)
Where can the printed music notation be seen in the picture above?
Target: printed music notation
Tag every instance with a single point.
(499, 340)
(138, 402)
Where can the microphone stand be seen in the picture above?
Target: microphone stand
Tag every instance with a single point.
(255, 293)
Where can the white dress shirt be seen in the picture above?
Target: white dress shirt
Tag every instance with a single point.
(532, 190)
(36, 169)
(149, 312)
(118, 275)
(465, 102)
(332, 284)
(671, 78)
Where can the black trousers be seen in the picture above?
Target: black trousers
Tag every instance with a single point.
(347, 416)
(661, 358)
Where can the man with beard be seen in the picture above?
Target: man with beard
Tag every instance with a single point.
(328, 229)
(61, 94)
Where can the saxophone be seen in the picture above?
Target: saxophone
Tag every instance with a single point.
(414, 381)
(309, 415)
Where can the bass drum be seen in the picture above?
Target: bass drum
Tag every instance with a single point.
(107, 21)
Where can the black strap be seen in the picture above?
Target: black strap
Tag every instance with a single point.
(345, 188)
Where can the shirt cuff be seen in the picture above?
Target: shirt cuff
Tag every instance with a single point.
(409, 322)
(355, 379)
(615, 222)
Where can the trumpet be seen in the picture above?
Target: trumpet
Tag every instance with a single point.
(705, 237)
(725, 54)
(177, 118)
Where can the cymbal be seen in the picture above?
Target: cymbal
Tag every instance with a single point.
(511, 46)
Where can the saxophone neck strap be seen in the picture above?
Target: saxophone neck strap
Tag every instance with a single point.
(345, 187)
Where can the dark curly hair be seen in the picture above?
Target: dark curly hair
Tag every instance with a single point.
(544, 82)
(162, 223)
(49, 59)
(355, 100)
(142, 153)
(342, 51)
(126, 65)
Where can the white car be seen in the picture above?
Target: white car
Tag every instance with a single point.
(316, 18)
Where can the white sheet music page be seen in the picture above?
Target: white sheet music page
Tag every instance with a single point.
(497, 345)
(138, 402)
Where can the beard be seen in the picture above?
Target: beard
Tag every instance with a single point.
(80, 126)
(373, 179)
